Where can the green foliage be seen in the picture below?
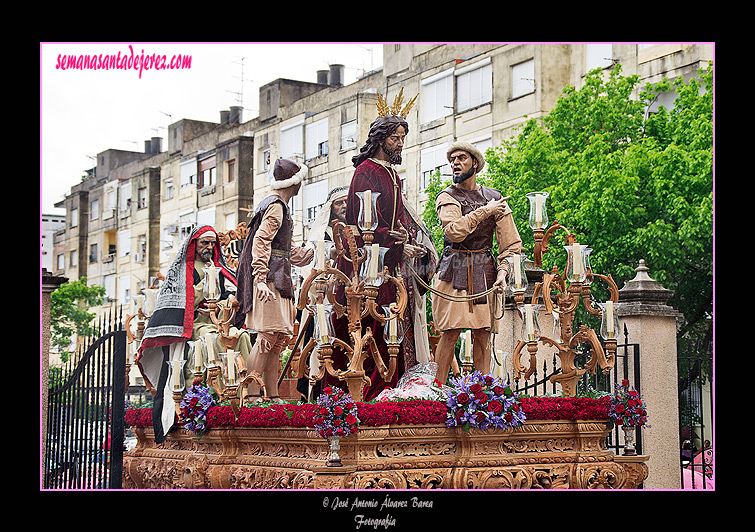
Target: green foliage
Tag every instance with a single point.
(69, 311)
(628, 185)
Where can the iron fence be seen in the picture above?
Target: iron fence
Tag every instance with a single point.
(85, 414)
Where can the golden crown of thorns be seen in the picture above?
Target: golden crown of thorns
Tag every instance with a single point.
(395, 109)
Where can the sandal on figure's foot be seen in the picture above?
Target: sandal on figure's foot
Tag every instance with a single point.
(276, 399)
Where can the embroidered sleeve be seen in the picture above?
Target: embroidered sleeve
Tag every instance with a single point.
(455, 226)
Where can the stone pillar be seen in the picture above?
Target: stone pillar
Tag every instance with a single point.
(50, 283)
(652, 324)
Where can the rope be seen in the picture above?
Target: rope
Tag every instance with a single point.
(452, 297)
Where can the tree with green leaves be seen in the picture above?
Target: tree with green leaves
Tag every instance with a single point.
(631, 184)
(69, 312)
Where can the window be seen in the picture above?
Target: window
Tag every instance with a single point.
(207, 172)
(109, 283)
(431, 160)
(124, 242)
(230, 170)
(598, 56)
(94, 210)
(349, 135)
(109, 204)
(73, 259)
(314, 196)
(317, 138)
(141, 195)
(93, 253)
(74, 217)
(291, 141)
(124, 205)
(523, 78)
(168, 189)
(60, 261)
(124, 290)
(265, 160)
(474, 85)
(437, 96)
(188, 171)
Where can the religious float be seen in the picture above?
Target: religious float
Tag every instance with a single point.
(475, 433)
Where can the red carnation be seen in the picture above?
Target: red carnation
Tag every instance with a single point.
(619, 409)
(338, 410)
(625, 383)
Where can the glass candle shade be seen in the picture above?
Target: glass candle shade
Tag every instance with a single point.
(211, 283)
(609, 321)
(393, 330)
(150, 299)
(322, 253)
(371, 270)
(176, 375)
(138, 303)
(575, 263)
(538, 212)
(209, 350)
(231, 370)
(323, 326)
(367, 219)
(467, 347)
(530, 324)
(517, 279)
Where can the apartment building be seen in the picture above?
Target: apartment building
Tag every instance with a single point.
(125, 221)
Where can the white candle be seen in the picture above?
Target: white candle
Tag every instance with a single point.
(609, 318)
(538, 210)
(176, 374)
(197, 358)
(212, 286)
(140, 302)
(323, 323)
(577, 261)
(393, 329)
(231, 368)
(530, 322)
(372, 272)
(468, 346)
(367, 209)
(320, 255)
(517, 271)
(210, 348)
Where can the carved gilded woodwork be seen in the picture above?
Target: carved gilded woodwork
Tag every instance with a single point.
(537, 455)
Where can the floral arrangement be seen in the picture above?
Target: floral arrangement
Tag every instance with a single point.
(375, 414)
(196, 402)
(627, 407)
(337, 413)
(482, 401)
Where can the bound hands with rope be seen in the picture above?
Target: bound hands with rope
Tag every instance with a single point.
(410, 250)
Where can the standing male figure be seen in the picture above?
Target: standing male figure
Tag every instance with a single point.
(470, 215)
(397, 230)
(181, 315)
(266, 289)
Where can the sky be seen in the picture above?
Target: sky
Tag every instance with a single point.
(85, 112)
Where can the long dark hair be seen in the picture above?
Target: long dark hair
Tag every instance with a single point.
(380, 129)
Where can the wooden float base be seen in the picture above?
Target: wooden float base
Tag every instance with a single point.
(539, 454)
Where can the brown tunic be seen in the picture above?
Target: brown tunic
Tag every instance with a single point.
(468, 227)
(276, 315)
